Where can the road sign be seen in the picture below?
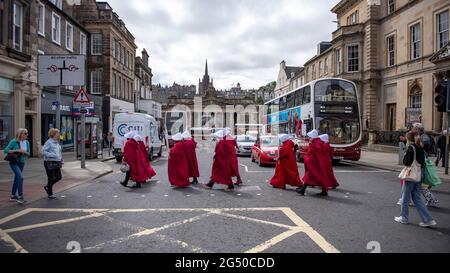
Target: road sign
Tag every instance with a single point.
(57, 70)
(82, 97)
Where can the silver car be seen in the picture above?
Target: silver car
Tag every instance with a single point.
(245, 144)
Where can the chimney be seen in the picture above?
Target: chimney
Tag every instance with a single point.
(283, 64)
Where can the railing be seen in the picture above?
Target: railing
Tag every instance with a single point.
(390, 138)
(348, 30)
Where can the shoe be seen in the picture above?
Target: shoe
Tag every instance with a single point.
(400, 220)
(301, 191)
(124, 184)
(137, 186)
(238, 182)
(21, 201)
(13, 198)
(46, 190)
(428, 224)
(52, 197)
(323, 193)
(399, 202)
(206, 186)
(195, 181)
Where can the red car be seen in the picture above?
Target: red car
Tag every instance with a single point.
(265, 150)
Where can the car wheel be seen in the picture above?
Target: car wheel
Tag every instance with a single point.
(150, 156)
(119, 159)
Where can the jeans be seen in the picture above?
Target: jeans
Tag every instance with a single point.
(17, 169)
(54, 176)
(414, 190)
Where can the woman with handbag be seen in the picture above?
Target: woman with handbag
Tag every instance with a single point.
(52, 161)
(413, 175)
(16, 152)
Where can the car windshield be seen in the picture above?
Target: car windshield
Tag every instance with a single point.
(245, 139)
(269, 141)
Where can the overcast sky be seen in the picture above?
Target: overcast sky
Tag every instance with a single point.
(244, 40)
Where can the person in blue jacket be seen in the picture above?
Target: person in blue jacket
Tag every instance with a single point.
(20, 147)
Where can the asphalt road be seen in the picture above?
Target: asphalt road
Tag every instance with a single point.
(103, 216)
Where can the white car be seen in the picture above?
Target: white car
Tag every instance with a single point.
(145, 125)
(245, 144)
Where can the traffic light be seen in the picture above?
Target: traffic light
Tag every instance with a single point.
(442, 97)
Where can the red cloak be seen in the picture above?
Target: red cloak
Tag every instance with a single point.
(314, 170)
(147, 169)
(330, 178)
(178, 167)
(286, 170)
(221, 170)
(234, 163)
(132, 156)
(191, 157)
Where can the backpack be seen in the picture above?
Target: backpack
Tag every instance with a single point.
(427, 142)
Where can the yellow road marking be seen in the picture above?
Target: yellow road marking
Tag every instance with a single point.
(4, 236)
(14, 216)
(254, 220)
(275, 240)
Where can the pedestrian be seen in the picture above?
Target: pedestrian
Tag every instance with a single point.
(315, 170)
(441, 147)
(415, 160)
(328, 164)
(221, 168)
(234, 162)
(286, 169)
(132, 157)
(53, 161)
(178, 168)
(145, 170)
(16, 152)
(126, 166)
(190, 145)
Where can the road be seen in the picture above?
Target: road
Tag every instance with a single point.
(103, 216)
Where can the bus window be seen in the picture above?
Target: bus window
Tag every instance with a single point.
(334, 90)
(307, 95)
(291, 101)
(299, 97)
(283, 103)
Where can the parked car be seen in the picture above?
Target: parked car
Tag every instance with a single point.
(265, 150)
(245, 144)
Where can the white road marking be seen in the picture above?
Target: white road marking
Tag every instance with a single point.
(115, 196)
(89, 196)
(143, 196)
(7, 239)
(348, 171)
(247, 171)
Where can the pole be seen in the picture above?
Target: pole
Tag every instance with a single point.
(83, 140)
(58, 107)
(447, 144)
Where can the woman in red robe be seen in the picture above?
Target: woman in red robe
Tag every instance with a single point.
(286, 170)
(221, 170)
(314, 169)
(132, 157)
(144, 163)
(178, 166)
(191, 156)
(328, 153)
(234, 162)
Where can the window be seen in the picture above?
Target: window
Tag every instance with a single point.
(415, 41)
(338, 61)
(390, 50)
(123, 89)
(442, 29)
(321, 68)
(114, 85)
(41, 19)
(97, 47)
(126, 58)
(82, 44)
(390, 6)
(307, 95)
(18, 26)
(326, 65)
(415, 97)
(353, 58)
(119, 87)
(314, 72)
(352, 18)
(122, 57)
(56, 28)
(57, 3)
(113, 48)
(96, 81)
(69, 36)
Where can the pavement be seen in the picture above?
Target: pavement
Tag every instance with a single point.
(35, 177)
(390, 162)
(104, 217)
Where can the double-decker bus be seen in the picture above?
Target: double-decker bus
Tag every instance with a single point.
(330, 106)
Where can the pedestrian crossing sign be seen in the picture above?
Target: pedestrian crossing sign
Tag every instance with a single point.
(81, 97)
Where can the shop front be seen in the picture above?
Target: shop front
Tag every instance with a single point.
(6, 111)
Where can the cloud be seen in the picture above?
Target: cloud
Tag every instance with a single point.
(244, 40)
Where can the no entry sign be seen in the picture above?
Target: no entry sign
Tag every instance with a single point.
(57, 70)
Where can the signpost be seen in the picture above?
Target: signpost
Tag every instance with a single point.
(61, 70)
(81, 100)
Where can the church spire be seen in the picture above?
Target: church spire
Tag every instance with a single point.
(206, 68)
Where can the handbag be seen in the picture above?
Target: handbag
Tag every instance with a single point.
(431, 176)
(54, 165)
(12, 158)
(125, 168)
(412, 173)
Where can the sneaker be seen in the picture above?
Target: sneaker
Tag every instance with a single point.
(13, 198)
(52, 197)
(428, 224)
(47, 191)
(399, 202)
(21, 201)
(400, 220)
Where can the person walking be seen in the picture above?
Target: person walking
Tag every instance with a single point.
(189, 148)
(127, 136)
(132, 159)
(178, 168)
(234, 162)
(441, 145)
(286, 169)
(145, 170)
(221, 170)
(53, 161)
(16, 152)
(412, 189)
(328, 164)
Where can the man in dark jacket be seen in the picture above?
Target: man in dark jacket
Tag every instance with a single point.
(441, 148)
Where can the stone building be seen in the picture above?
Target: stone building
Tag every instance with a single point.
(111, 62)
(59, 33)
(285, 76)
(20, 96)
(163, 93)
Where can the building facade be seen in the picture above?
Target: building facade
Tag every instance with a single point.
(162, 94)
(111, 62)
(285, 76)
(58, 33)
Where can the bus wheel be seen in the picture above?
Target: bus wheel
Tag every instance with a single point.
(150, 155)
(160, 152)
(119, 159)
